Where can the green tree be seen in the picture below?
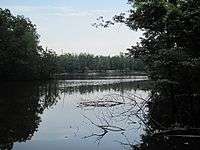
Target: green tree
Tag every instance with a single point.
(72, 63)
(171, 50)
(170, 46)
(21, 57)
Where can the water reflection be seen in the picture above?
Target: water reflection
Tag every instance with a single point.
(38, 113)
(20, 107)
(83, 86)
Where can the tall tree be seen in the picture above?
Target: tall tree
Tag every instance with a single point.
(21, 56)
(170, 46)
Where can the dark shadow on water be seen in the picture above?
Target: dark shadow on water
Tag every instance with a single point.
(120, 87)
(20, 107)
(22, 104)
(170, 118)
(173, 119)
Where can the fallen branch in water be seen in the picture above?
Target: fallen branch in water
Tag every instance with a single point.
(106, 128)
(99, 103)
(131, 111)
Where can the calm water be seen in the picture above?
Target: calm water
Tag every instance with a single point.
(72, 114)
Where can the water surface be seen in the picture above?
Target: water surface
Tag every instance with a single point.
(72, 114)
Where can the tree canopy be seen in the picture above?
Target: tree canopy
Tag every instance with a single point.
(171, 50)
(21, 56)
(73, 63)
(170, 45)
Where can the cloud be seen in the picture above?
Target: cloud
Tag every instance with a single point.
(56, 11)
(65, 27)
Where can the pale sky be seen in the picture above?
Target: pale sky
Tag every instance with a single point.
(65, 25)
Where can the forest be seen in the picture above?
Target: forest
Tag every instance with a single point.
(168, 51)
(72, 63)
(23, 58)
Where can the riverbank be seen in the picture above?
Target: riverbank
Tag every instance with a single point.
(98, 75)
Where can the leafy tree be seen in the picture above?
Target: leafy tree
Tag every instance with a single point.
(81, 63)
(21, 57)
(170, 46)
(171, 50)
(171, 42)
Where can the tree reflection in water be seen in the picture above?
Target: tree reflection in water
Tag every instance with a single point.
(119, 86)
(173, 119)
(22, 103)
(170, 118)
(20, 107)
(117, 113)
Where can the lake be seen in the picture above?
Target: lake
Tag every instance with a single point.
(83, 114)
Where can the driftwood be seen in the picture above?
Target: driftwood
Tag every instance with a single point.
(99, 103)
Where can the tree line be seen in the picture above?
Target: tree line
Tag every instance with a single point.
(22, 58)
(73, 63)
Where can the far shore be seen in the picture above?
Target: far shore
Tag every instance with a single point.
(98, 74)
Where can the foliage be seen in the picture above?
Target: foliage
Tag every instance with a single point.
(21, 57)
(73, 63)
(170, 49)
(171, 43)
(170, 46)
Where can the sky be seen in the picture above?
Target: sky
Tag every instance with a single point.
(66, 25)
